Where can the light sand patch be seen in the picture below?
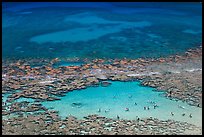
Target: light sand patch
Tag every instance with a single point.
(192, 31)
(92, 31)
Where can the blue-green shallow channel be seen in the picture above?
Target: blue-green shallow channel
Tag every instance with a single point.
(121, 95)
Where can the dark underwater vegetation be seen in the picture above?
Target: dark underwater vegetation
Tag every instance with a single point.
(130, 30)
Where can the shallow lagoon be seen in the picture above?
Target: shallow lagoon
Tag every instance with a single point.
(121, 95)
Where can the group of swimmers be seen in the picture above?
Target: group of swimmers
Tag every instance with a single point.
(127, 109)
(182, 114)
(107, 110)
(146, 108)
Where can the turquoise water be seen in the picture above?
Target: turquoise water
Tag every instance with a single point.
(121, 95)
(100, 30)
(5, 97)
(65, 63)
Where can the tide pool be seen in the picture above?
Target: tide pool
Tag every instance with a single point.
(115, 98)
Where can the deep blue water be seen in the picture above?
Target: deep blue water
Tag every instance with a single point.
(100, 30)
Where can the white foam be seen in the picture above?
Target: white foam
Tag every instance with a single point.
(175, 71)
(192, 70)
(45, 82)
(133, 75)
(153, 73)
(143, 74)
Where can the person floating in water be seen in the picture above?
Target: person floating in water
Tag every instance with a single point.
(118, 117)
(135, 103)
(183, 114)
(107, 110)
(148, 108)
(172, 113)
(138, 119)
(126, 109)
(190, 115)
(144, 108)
(152, 102)
(181, 106)
(155, 105)
(99, 110)
(130, 96)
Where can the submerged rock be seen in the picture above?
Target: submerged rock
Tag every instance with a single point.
(101, 77)
(76, 104)
(105, 83)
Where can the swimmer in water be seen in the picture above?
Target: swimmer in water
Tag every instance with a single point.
(144, 108)
(118, 117)
(172, 113)
(130, 96)
(126, 109)
(99, 110)
(135, 103)
(181, 106)
(155, 105)
(183, 114)
(107, 110)
(152, 102)
(148, 108)
(190, 115)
